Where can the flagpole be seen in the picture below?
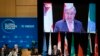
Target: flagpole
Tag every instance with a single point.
(90, 43)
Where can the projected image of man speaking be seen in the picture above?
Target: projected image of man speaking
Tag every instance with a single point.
(69, 23)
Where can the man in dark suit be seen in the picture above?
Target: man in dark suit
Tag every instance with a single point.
(4, 50)
(68, 23)
(55, 51)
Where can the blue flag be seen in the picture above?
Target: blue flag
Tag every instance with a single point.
(91, 18)
(72, 47)
(44, 46)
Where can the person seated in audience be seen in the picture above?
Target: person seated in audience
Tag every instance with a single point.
(4, 50)
(26, 52)
(13, 52)
(17, 49)
(56, 52)
(35, 51)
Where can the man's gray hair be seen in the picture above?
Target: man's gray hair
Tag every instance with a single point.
(69, 6)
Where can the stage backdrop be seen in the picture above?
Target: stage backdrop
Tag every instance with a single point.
(21, 31)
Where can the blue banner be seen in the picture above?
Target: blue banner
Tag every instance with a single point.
(21, 31)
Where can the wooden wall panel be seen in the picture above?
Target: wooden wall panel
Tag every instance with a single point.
(27, 11)
(7, 8)
(19, 8)
(26, 2)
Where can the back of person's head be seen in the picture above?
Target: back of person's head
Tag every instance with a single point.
(36, 50)
(5, 46)
(13, 49)
(16, 46)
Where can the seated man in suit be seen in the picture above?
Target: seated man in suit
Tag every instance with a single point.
(35, 51)
(55, 51)
(68, 23)
(4, 50)
(13, 53)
